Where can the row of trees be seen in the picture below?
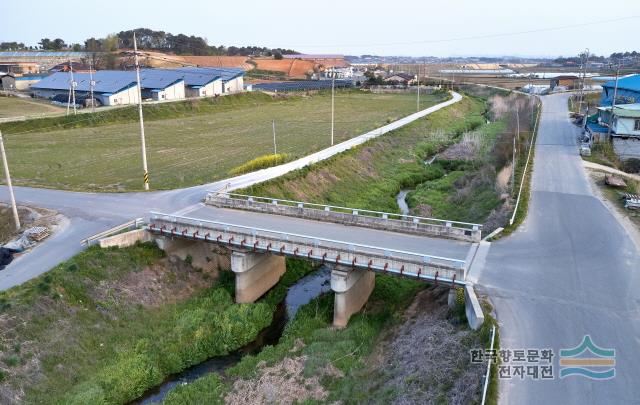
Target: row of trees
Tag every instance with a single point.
(150, 40)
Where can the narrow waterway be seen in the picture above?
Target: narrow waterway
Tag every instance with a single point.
(401, 199)
(298, 295)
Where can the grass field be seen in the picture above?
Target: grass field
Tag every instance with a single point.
(191, 148)
(18, 107)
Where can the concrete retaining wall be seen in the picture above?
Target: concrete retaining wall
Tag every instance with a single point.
(473, 310)
(467, 235)
(126, 239)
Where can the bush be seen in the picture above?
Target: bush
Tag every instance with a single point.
(261, 162)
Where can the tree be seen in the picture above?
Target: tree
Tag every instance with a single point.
(45, 43)
(58, 44)
(76, 47)
(277, 55)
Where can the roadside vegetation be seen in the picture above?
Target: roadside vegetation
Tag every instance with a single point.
(261, 162)
(107, 325)
(191, 142)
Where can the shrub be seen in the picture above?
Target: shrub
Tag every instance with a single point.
(261, 162)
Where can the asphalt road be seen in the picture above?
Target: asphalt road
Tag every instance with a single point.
(570, 270)
(91, 213)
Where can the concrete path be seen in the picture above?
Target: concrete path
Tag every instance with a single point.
(570, 270)
(90, 213)
(611, 170)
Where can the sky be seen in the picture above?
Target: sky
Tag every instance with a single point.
(409, 27)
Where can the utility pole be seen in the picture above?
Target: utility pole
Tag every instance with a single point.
(16, 218)
(513, 161)
(142, 140)
(613, 102)
(275, 147)
(73, 88)
(91, 85)
(418, 101)
(333, 92)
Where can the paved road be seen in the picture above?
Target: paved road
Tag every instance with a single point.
(570, 270)
(90, 213)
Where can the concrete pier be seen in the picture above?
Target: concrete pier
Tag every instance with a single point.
(255, 273)
(352, 289)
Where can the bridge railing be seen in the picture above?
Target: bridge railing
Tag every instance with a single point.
(349, 216)
(410, 264)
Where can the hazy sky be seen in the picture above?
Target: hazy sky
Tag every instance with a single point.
(409, 27)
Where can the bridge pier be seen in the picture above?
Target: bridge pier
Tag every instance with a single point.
(255, 273)
(352, 289)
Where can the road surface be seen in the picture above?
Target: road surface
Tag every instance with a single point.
(90, 213)
(570, 270)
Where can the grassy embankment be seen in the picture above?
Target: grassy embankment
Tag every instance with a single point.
(191, 142)
(369, 177)
(108, 324)
(19, 107)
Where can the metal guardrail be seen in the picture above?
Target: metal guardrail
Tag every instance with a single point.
(345, 210)
(421, 266)
(133, 224)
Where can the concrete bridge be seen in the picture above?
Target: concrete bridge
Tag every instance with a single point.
(256, 234)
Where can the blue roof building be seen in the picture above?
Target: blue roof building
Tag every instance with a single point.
(155, 84)
(628, 91)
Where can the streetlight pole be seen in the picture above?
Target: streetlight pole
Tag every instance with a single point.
(16, 218)
(333, 95)
(73, 88)
(144, 146)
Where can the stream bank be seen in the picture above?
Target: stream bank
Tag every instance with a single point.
(299, 294)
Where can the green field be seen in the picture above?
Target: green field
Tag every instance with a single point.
(199, 142)
(18, 107)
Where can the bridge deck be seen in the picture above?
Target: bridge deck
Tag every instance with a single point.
(349, 234)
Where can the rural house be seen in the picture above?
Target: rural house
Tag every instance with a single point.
(628, 91)
(567, 81)
(399, 78)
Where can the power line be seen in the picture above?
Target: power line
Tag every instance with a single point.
(475, 37)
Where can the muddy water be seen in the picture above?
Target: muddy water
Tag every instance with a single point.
(299, 294)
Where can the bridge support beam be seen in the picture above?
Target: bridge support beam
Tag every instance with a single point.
(352, 289)
(256, 273)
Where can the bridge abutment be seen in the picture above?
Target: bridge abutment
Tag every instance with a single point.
(255, 273)
(200, 253)
(352, 289)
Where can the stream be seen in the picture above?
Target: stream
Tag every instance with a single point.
(401, 199)
(301, 293)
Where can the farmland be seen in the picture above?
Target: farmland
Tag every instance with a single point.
(193, 142)
(17, 107)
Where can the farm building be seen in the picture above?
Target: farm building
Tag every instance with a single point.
(110, 88)
(568, 81)
(232, 79)
(628, 91)
(155, 84)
